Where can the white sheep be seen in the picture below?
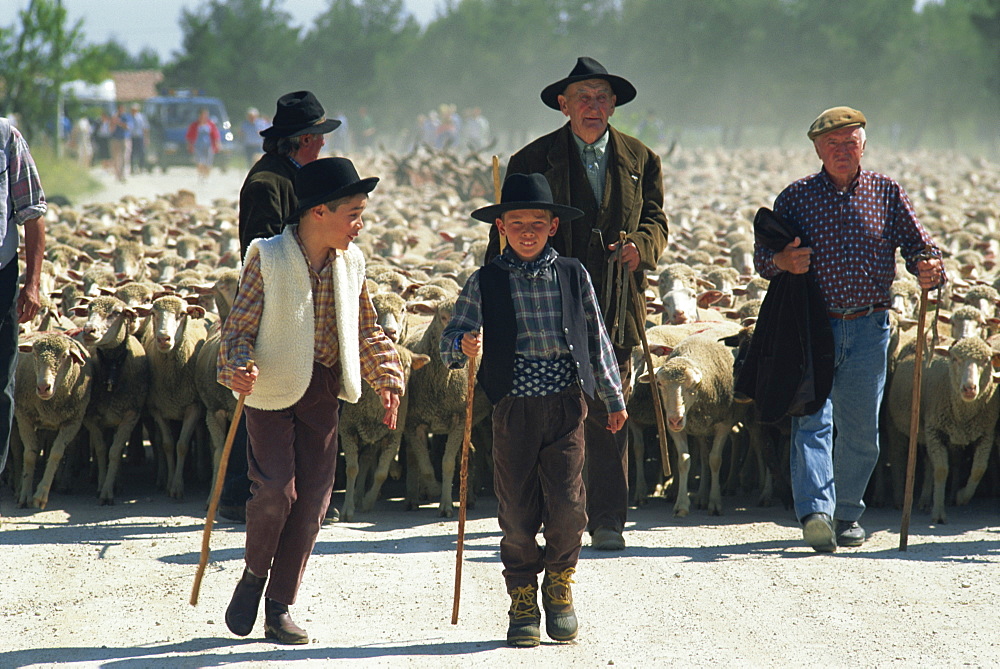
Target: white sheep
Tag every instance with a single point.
(51, 391)
(696, 383)
(959, 407)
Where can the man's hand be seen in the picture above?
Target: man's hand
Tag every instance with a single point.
(616, 420)
(793, 258)
(930, 273)
(390, 401)
(28, 303)
(243, 381)
(472, 343)
(630, 255)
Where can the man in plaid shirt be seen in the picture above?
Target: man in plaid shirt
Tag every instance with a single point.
(22, 203)
(854, 220)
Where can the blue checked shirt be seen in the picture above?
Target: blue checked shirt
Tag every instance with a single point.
(853, 235)
(538, 306)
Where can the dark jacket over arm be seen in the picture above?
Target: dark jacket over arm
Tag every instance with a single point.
(266, 199)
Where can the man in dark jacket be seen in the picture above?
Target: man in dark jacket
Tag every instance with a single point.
(267, 199)
(616, 180)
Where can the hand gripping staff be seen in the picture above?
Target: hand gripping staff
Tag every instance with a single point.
(463, 477)
(213, 505)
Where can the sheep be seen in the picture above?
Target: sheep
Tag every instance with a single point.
(437, 406)
(678, 285)
(365, 440)
(696, 384)
(121, 385)
(959, 407)
(176, 335)
(51, 391)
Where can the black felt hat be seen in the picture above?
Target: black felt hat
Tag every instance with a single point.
(525, 191)
(299, 113)
(588, 68)
(327, 179)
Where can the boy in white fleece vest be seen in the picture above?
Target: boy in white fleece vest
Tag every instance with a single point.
(303, 316)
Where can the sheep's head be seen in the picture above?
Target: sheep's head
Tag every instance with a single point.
(109, 321)
(972, 362)
(54, 356)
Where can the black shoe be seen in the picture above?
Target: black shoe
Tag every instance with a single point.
(850, 534)
(525, 619)
(817, 530)
(233, 512)
(278, 624)
(607, 539)
(557, 600)
(241, 615)
(332, 515)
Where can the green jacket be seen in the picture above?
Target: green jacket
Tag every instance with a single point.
(266, 199)
(633, 203)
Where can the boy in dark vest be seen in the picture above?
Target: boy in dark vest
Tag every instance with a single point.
(303, 315)
(544, 345)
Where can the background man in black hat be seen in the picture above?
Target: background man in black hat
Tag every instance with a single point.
(266, 200)
(616, 181)
(303, 315)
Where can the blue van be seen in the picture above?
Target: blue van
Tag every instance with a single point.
(169, 118)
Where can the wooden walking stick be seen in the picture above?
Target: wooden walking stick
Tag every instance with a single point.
(213, 505)
(661, 426)
(911, 458)
(463, 477)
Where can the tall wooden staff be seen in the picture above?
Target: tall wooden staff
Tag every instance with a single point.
(463, 478)
(661, 428)
(213, 505)
(911, 458)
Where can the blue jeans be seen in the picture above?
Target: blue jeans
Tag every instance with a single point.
(831, 477)
(8, 354)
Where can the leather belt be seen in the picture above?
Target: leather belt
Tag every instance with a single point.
(856, 312)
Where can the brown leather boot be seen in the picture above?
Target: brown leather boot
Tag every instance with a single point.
(278, 624)
(241, 615)
(557, 600)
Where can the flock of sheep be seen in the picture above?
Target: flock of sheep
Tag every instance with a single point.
(126, 343)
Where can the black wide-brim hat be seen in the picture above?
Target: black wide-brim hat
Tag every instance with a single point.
(327, 179)
(525, 191)
(299, 113)
(588, 68)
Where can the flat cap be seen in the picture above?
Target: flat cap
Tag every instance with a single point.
(834, 119)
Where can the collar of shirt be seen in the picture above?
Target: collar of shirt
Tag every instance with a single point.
(599, 146)
(529, 270)
(294, 162)
(850, 188)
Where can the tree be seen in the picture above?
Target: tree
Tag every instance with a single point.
(37, 57)
(244, 51)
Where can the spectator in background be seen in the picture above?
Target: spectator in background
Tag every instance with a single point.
(121, 142)
(475, 129)
(80, 141)
(250, 135)
(448, 127)
(140, 140)
(204, 141)
(102, 140)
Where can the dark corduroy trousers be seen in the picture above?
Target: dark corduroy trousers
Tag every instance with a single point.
(607, 459)
(293, 458)
(538, 451)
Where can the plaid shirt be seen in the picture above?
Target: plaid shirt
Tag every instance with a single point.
(379, 363)
(538, 308)
(20, 190)
(853, 235)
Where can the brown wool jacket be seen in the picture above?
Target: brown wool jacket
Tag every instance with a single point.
(633, 202)
(266, 199)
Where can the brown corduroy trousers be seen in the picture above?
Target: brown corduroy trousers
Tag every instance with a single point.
(538, 451)
(293, 459)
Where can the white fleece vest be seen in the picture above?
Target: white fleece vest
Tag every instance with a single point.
(284, 350)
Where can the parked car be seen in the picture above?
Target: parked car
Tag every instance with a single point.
(169, 118)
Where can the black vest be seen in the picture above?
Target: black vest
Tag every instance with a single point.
(496, 372)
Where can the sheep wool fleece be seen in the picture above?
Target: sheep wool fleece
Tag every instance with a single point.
(284, 346)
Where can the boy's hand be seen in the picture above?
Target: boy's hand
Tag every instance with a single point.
(472, 343)
(616, 420)
(390, 400)
(243, 381)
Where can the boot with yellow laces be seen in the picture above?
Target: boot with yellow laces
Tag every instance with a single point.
(557, 600)
(525, 619)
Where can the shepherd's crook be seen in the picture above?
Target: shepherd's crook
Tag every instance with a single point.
(213, 505)
(661, 428)
(911, 458)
